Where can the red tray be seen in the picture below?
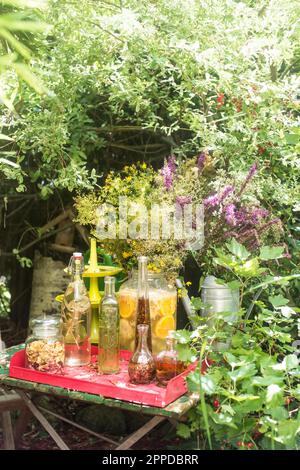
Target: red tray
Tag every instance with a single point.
(86, 379)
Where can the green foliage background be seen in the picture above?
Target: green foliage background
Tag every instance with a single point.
(137, 80)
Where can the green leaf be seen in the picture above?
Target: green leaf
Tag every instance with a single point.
(249, 268)
(273, 280)
(243, 397)
(274, 395)
(287, 432)
(268, 380)
(292, 139)
(279, 413)
(197, 303)
(278, 301)
(223, 419)
(242, 372)
(183, 430)
(184, 353)
(6, 137)
(183, 336)
(234, 285)
(208, 383)
(271, 252)
(15, 43)
(237, 249)
(290, 362)
(25, 73)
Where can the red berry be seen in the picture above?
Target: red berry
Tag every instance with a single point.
(220, 99)
(261, 150)
(216, 404)
(250, 445)
(239, 443)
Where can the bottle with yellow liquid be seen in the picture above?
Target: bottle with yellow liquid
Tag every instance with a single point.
(109, 323)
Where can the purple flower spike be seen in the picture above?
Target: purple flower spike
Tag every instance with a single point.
(172, 163)
(230, 215)
(168, 172)
(226, 192)
(249, 176)
(182, 200)
(257, 214)
(252, 171)
(211, 201)
(201, 161)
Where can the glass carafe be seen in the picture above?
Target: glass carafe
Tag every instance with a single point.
(167, 363)
(109, 350)
(141, 368)
(76, 317)
(163, 305)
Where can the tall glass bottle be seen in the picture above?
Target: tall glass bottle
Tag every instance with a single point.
(109, 324)
(141, 368)
(143, 306)
(76, 317)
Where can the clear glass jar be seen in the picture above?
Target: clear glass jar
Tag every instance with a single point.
(167, 363)
(163, 306)
(44, 348)
(141, 367)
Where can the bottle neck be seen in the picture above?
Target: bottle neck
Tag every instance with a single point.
(77, 270)
(170, 344)
(143, 287)
(143, 335)
(109, 287)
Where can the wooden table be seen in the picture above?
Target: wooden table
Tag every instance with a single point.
(20, 397)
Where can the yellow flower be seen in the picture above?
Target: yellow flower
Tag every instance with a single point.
(128, 178)
(126, 254)
(144, 166)
(153, 268)
(188, 283)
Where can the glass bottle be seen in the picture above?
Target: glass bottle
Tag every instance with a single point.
(167, 363)
(76, 317)
(109, 323)
(141, 368)
(44, 348)
(143, 305)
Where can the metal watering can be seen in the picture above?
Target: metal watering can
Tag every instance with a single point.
(219, 298)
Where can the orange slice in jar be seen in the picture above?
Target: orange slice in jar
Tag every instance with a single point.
(168, 305)
(127, 306)
(164, 325)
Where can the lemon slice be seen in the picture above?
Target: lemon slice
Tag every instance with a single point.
(167, 306)
(164, 325)
(127, 306)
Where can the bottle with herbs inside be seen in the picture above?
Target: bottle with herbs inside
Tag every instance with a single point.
(167, 363)
(109, 350)
(141, 368)
(44, 348)
(143, 305)
(76, 317)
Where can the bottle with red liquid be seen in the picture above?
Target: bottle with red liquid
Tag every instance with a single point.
(141, 368)
(167, 363)
(143, 305)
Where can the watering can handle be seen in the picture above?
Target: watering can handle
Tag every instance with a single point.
(108, 261)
